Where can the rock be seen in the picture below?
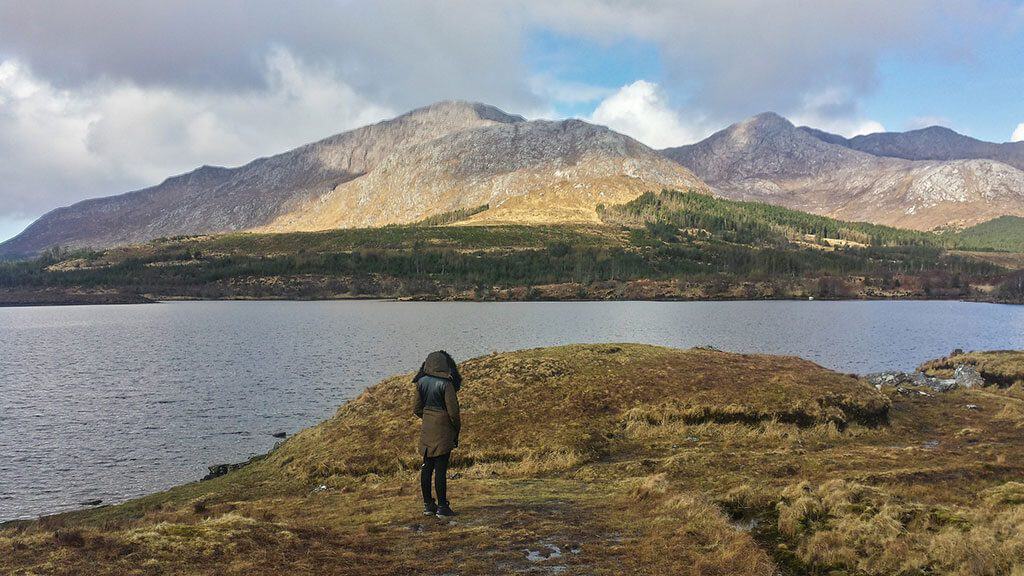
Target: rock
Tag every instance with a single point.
(218, 470)
(900, 379)
(940, 384)
(957, 352)
(967, 376)
(889, 379)
(96, 502)
(279, 434)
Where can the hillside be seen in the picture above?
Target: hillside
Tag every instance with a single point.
(444, 157)
(767, 159)
(1005, 233)
(526, 172)
(598, 459)
(214, 199)
(931, 143)
(670, 245)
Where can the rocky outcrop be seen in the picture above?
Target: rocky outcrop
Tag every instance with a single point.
(964, 376)
(767, 159)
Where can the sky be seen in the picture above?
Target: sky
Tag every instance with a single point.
(100, 97)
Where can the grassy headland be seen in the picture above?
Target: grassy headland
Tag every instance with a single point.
(599, 459)
(671, 245)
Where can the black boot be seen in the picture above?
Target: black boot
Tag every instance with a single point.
(429, 508)
(445, 511)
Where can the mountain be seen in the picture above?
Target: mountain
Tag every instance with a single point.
(447, 156)
(767, 159)
(527, 172)
(214, 199)
(932, 143)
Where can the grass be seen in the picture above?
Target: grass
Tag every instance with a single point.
(1003, 367)
(597, 459)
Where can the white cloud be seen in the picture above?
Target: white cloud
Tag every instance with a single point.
(834, 110)
(1018, 134)
(735, 58)
(553, 89)
(919, 122)
(62, 145)
(640, 110)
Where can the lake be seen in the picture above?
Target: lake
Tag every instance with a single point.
(112, 402)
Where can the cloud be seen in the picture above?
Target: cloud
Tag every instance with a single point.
(735, 58)
(403, 53)
(60, 145)
(106, 96)
(640, 110)
(551, 88)
(836, 111)
(919, 122)
(1018, 134)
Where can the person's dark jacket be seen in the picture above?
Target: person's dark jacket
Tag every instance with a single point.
(436, 401)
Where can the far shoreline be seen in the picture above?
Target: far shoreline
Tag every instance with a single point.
(153, 299)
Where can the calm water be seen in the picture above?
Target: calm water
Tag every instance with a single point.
(110, 402)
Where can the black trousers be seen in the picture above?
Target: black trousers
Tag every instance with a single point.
(438, 467)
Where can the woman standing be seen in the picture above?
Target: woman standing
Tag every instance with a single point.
(437, 404)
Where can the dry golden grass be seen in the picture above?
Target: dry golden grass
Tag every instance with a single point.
(1003, 367)
(598, 459)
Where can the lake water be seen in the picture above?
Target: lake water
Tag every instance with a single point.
(111, 402)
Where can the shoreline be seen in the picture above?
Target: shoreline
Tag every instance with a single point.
(154, 299)
(693, 440)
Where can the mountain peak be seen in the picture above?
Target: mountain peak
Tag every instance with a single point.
(755, 128)
(769, 120)
(937, 130)
(465, 108)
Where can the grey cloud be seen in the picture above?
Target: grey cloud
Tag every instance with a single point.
(403, 53)
(130, 91)
(739, 57)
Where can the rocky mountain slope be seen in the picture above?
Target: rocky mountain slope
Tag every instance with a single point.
(767, 159)
(442, 157)
(532, 172)
(932, 143)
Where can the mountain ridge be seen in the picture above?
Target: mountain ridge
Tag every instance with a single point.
(766, 158)
(213, 199)
(929, 143)
(447, 156)
(456, 155)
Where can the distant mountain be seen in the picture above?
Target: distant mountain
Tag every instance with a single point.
(527, 172)
(767, 159)
(932, 143)
(443, 157)
(459, 157)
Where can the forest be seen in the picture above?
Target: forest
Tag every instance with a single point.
(670, 236)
